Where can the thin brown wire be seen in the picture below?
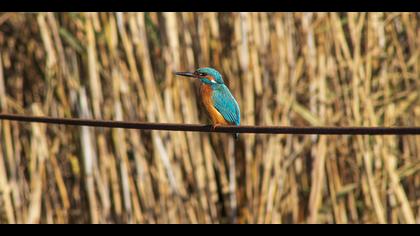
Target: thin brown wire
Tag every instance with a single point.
(220, 129)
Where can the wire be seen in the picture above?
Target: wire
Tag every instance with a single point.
(220, 129)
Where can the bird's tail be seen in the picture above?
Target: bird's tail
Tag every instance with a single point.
(236, 136)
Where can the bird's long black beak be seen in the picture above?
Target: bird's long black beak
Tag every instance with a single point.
(186, 74)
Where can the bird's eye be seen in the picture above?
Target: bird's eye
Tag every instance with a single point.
(202, 74)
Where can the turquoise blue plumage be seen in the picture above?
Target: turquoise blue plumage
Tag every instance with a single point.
(219, 102)
(226, 104)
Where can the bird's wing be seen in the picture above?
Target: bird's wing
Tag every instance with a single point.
(226, 104)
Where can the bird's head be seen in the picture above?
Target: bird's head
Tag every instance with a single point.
(206, 75)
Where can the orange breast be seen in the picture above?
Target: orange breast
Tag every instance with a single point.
(215, 116)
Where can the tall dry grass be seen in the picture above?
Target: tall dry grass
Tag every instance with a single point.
(335, 69)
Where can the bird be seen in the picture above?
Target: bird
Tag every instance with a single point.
(218, 101)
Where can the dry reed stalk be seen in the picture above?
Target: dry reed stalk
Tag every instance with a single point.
(284, 69)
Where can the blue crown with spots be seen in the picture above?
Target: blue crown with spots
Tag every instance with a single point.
(213, 73)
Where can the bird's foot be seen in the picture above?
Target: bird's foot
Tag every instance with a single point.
(214, 126)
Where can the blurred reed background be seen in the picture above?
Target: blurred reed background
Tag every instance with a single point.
(292, 69)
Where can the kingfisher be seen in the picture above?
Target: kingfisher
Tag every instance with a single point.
(216, 98)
